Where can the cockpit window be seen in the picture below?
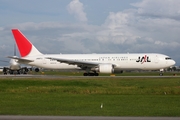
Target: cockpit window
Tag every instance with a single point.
(168, 58)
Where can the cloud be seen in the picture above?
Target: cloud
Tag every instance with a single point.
(76, 7)
(159, 8)
(143, 28)
(118, 28)
(127, 30)
(131, 26)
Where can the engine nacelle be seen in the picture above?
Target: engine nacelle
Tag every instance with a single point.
(106, 68)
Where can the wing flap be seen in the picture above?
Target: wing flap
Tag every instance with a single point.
(75, 62)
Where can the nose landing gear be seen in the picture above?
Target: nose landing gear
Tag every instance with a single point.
(161, 72)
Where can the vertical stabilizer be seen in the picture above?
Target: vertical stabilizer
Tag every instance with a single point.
(26, 48)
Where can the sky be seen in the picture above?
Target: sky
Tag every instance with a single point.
(93, 26)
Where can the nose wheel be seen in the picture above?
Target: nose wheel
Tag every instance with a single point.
(161, 72)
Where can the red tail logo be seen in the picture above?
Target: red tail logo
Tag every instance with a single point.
(22, 42)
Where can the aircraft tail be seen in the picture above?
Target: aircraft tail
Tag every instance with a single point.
(26, 48)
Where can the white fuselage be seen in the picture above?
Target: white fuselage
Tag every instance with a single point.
(143, 61)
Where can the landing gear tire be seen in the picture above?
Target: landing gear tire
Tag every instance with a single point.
(91, 74)
(85, 74)
(160, 74)
(96, 74)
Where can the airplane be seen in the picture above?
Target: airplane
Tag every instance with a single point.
(92, 64)
(14, 67)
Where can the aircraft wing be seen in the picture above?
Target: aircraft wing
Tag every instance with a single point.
(20, 59)
(81, 64)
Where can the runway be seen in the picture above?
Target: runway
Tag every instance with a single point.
(83, 118)
(59, 76)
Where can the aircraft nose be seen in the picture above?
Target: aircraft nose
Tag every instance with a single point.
(173, 62)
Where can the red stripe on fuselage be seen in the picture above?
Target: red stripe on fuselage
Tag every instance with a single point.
(22, 42)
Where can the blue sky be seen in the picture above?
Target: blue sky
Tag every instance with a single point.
(93, 26)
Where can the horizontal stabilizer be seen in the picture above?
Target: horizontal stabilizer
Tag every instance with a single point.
(20, 59)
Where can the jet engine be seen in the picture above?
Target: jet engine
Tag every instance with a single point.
(106, 68)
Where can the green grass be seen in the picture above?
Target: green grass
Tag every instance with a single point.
(84, 96)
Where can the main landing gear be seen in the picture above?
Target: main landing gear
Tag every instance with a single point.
(5, 71)
(91, 74)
